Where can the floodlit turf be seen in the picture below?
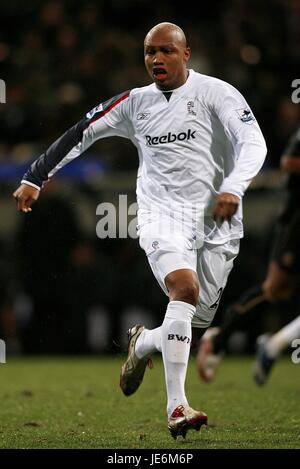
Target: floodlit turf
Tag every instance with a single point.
(77, 403)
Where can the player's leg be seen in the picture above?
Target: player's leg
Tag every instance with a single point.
(269, 349)
(283, 338)
(284, 269)
(214, 266)
(176, 273)
(174, 266)
(133, 370)
(176, 336)
(279, 285)
(143, 342)
(283, 281)
(176, 333)
(149, 341)
(238, 316)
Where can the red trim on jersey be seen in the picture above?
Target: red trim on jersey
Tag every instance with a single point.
(105, 111)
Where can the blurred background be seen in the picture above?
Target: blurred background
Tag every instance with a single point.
(63, 290)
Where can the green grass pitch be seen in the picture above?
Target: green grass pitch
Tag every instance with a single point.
(76, 402)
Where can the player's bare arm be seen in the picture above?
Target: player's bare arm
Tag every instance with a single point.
(226, 206)
(25, 195)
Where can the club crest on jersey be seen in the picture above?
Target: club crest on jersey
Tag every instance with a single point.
(143, 116)
(94, 111)
(155, 246)
(191, 108)
(245, 115)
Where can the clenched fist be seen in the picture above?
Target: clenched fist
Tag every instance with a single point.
(25, 195)
(226, 206)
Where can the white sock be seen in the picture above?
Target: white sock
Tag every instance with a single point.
(148, 342)
(176, 335)
(283, 338)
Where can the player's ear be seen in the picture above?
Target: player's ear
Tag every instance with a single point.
(187, 54)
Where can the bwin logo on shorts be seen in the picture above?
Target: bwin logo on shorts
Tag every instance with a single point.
(170, 138)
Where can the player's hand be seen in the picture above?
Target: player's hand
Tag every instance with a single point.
(25, 195)
(225, 207)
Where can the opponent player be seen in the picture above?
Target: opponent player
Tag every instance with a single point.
(281, 283)
(199, 146)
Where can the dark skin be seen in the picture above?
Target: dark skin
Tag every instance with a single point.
(166, 51)
(166, 56)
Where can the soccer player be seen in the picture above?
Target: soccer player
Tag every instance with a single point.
(199, 147)
(281, 283)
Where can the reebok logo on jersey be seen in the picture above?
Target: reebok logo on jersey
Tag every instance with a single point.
(170, 138)
(178, 337)
(142, 116)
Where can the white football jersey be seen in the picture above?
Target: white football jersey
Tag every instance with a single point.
(202, 141)
(197, 142)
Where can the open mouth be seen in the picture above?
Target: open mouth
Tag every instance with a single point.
(159, 73)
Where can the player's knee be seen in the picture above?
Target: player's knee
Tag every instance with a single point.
(183, 285)
(187, 292)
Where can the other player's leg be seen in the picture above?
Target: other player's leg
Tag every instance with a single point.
(269, 349)
(237, 316)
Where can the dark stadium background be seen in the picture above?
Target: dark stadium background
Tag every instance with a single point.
(63, 290)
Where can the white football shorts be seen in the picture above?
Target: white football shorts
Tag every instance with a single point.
(211, 262)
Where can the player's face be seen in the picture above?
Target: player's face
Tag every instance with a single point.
(166, 57)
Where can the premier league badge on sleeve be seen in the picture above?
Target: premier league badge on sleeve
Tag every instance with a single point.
(94, 111)
(245, 115)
